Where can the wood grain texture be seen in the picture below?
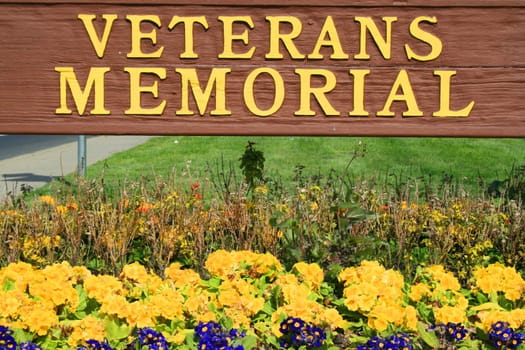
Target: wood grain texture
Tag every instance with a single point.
(483, 41)
(287, 3)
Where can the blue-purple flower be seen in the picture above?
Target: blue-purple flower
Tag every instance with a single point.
(399, 341)
(503, 336)
(92, 344)
(29, 346)
(211, 336)
(297, 333)
(6, 338)
(152, 339)
(450, 332)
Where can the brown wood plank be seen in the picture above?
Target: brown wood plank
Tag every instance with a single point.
(493, 93)
(483, 43)
(287, 3)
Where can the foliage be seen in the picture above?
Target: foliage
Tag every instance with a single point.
(325, 219)
(347, 262)
(469, 163)
(252, 165)
(250, 301)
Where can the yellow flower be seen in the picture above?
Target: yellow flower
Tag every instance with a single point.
(178, 338)
(410, 318)
(37, 317)
(198, 303)
(115, 305)
(294, 293)
(48, 200)
(261, 189)
(89, 327)
(419, 291)
(167, 303)
(499, 278)
(312, 274)
(141, 280)
(226, 264)
(307, 310)
(515, 318)
(378, 318)
(10, 303)
(99, 287)
(140, 314)
(331, 318)
(240, 320)
(361, 297)
(182, 277)
(20, 273)
(61, 209)
(446, 279)
(228, 297)
(446, 314)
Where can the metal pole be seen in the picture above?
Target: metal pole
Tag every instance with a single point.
(81, 156)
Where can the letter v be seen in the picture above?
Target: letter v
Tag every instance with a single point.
(98, 44)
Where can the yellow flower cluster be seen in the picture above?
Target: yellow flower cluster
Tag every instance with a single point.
(239, 300)
(30, 297)
(226, 264)
(53, 300)
(300, 298)
(499, 278)
(377, 293)
(440, 291)
(249, 289)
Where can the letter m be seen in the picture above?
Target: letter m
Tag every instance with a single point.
(190, 81)
(95, 81)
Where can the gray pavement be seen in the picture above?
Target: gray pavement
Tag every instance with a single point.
(35, 169)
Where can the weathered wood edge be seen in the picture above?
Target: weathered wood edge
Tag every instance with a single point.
(287, 3)
(199, 127)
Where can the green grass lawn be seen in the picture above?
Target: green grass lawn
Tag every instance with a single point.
(464, 161)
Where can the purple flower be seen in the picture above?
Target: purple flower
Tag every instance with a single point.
(153, 339)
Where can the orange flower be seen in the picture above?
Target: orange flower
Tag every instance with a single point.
(145, 208)
(48, 200)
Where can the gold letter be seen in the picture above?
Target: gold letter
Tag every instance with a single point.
(95, 79)
(333, 41)
(287, 39)
(444, 97)
(407, 95)
(359, 92)
(229, 37)
(188, 32)
(98, 44)
(318, 93)
(137, 36)
(249, 97)
(435, 43)
(189, 79)
(384, 45)
(135, 90)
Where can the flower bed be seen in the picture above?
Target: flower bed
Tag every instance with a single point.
(249, 301)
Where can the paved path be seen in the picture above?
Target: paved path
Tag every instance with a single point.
(40, 167)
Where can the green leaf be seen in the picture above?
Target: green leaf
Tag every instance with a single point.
(21, 336)
(8, 285)
(213, 283)
(116, 331)
(249, 341)
(429, 338)
(469, 345)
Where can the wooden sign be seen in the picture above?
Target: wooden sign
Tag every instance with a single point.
(263, 67)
